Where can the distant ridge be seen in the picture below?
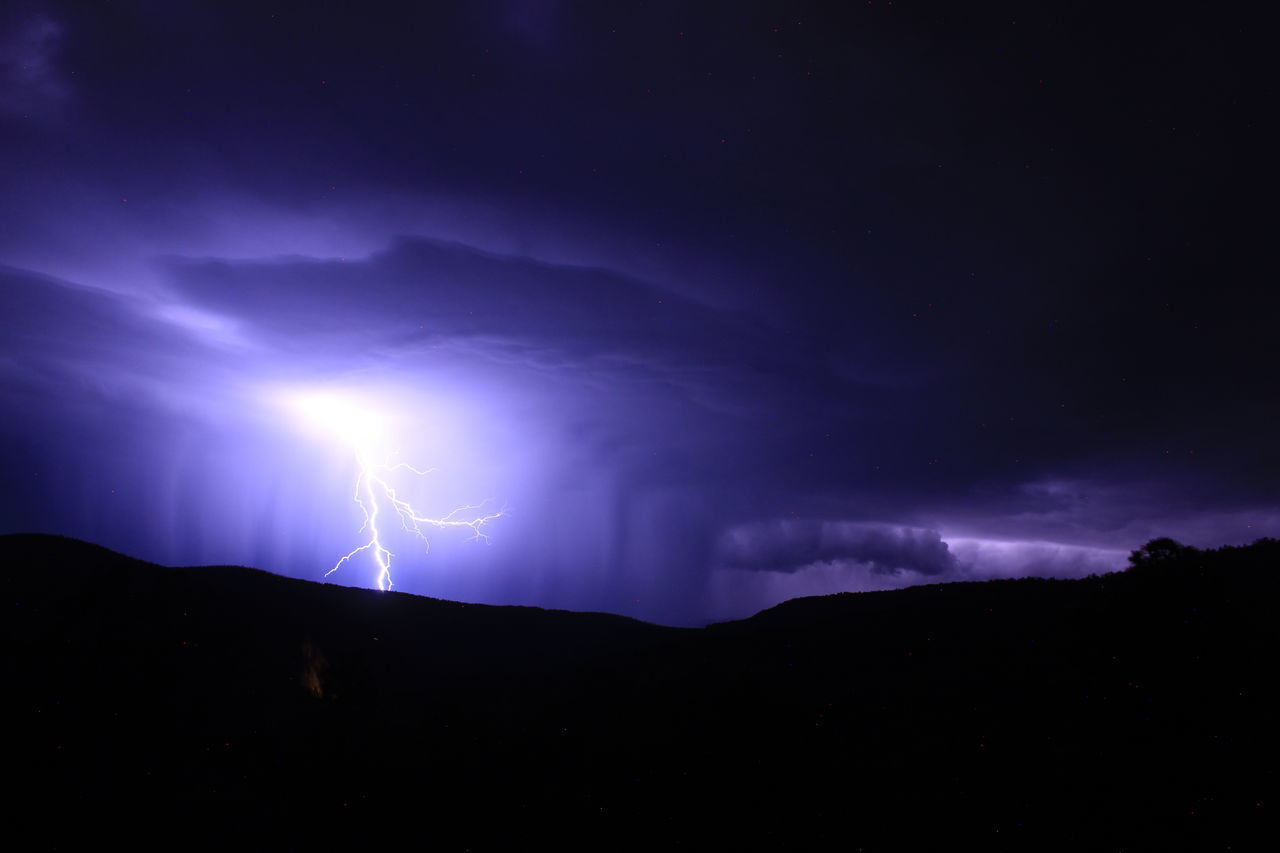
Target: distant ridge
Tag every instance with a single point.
(1128, 711)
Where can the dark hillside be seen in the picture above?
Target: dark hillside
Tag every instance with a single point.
(1124, 712)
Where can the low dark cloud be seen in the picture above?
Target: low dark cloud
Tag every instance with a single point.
(788, 546)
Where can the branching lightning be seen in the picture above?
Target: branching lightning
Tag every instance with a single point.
(365, 431)
(373, 490)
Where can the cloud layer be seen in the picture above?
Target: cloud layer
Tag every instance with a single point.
(788, 546)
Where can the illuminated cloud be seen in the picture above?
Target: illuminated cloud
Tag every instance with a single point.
(791, 545)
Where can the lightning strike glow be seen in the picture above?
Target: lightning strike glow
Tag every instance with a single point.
(373, 489)
(364, 430)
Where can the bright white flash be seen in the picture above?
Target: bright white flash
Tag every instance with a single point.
(341, 417)
(366, 432)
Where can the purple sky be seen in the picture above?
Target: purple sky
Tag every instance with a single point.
(725, 302)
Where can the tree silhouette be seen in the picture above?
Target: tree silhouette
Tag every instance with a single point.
(1159, 552)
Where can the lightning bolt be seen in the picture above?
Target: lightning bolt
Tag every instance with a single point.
(362, 429)
(373, 490)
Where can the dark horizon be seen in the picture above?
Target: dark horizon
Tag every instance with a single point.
(717, 305)
(223, 706)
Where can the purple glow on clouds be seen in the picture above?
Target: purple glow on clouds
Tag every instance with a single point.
(736, 594)
(616, 434)
(762, 564)
(708, 362)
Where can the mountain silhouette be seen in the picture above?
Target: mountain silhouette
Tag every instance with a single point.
(201, 707)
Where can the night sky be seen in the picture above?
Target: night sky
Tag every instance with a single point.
(724, 303)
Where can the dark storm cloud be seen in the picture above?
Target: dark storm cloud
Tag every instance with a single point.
(31, 83)
(788, 546)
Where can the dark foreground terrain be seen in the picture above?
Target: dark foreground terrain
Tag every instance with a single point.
(208, 707)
